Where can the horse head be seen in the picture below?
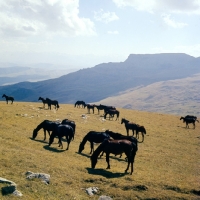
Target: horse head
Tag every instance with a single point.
(34, 133)
(81, 148)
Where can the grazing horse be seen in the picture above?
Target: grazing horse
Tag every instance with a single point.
(129, 125)
(44, 101)
(8, 98)
(70, 123)
(115, 147)
(93, 137)
(52, 102)
(46, 125)
(118, 136)
(79, 103)
(189, 120)
(111, 113)
(89, 106)
(61, 131)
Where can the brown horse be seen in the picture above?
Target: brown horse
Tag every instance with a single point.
(115, 147)
(134, 127)
(89, 106)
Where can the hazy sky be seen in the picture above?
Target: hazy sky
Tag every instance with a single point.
(88, 32)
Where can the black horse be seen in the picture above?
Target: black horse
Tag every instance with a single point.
(189, 120)
(44, 101)
(134, 127)
(93, 137)
(8, 98)
(90, 107)
(70, 123)
(111, 113)
(99, 107)
(52, 102)
(46, 125)
(62, 131)
(79, 103)
(115, 147)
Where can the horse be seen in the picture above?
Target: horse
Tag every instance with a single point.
(129, 125)
(112, 113)
(93, 137)
(189, 120)
(79, 103)
(115, 147)
(99, 107)
(70, 123)
(61, 131)
(44, 101)
(140, 129)
(46, 125)
(8, 98)
(52, 102)
(89, 106)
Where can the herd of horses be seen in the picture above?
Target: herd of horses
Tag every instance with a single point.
(109, 142)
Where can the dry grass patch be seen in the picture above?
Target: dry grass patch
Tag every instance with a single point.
(166, 164)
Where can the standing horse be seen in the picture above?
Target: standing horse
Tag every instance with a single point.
(142, 130)
(44, 101)
(112, 113)
(8, 98)
(99, 107)
(79, 103)
(89, 106)
(129, 125)
(115, 147)
(46, 125)
(93, 137)
(189, 120)
(61, 131)
(52, 102)
(70, 123)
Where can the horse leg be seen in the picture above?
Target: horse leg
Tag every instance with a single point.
(128, 163)
(60, 143)
(101, 154)
(45, 135)
(68, 142)
(127, 132)
(91, 147)
(107, 160)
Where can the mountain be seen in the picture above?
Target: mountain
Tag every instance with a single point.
(107, 79)
(15, 74)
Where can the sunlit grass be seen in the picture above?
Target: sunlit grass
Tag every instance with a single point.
(166, 164)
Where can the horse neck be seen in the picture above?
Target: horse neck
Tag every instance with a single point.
(98, 150)
(41, 125)
(85, 139)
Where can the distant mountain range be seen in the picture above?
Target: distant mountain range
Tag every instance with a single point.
(111, 79)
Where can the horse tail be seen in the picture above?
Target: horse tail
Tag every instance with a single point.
(145, 131)
(197, 120)
(58, 105)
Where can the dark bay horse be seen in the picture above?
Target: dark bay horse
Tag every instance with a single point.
(46, 125)
(79, 103)
(62, 131)
(70, 123)
(44, 101)
(93, 137)
(89, 107)
(189, 120)
(111, 113)
(8, 98)
(115, 147)
(134, 127)
(52, 102)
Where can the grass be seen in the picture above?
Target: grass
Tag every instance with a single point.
(166, 164)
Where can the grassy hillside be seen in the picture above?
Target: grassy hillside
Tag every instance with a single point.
(166, 164)
(180, 96)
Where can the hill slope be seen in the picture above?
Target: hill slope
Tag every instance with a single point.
(179, 96)
(165, 167)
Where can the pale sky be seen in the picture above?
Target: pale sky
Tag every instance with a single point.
(84, 33)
